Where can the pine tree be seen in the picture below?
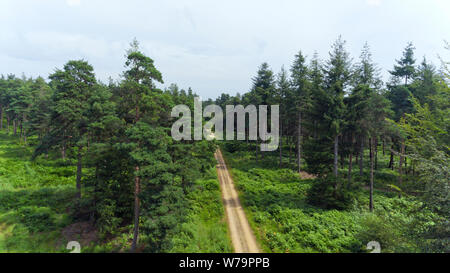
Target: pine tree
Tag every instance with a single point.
(365, 80)
(140, 107)
(3, 99)
(316, 78)
(13, 93)
(301, 96)
(400, 95)
(263, 91)
(337, 76)
(20, 104)
(76, 92)
(378, 111)
(318, 152)
(282, 96)
(405, 66)
(426, 83)
(40, 110)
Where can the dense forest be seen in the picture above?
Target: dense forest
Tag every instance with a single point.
(359, 160)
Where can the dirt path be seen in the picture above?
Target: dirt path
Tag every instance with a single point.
(242, 235)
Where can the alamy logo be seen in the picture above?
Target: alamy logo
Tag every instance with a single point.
(235, 128)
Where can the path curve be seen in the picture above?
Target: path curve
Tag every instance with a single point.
(241, 233)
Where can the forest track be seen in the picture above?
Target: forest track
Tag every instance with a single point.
(242, 236)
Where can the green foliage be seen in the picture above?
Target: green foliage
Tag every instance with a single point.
(234, 146)
(428, 138)
(36, 219)
(405, 66)
(400, 98)
(332, 193)
(318, 154)
(33, 212)
(263, 86)
(107, 221)
(34, 200)
(379, 230)
(119, 134)
(205, 227)
(337, 77)
(276, 202)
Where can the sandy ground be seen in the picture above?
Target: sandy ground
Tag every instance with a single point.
(241, 233)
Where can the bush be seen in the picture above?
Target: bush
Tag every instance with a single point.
(380, 229)
(205, 228)
(318, 155)
(107, 222)
(234, 146)
(332, 193)
(37, 219)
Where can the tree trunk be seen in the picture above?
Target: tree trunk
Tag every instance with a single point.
(137, 185)
(281, 143)
(24, 133)
(290, 150)
(350, 164)
(299, 142)
(88, 144)
(400, 164)
(256, 151)
(350, 160)
(79, 172)
(376, 153)
(361, 156)
(391, 161)
(137, 201)
(63, 151)
(406, 162)
(63, 148)
(383, 146)
(1, 117)
(247, 133)
(335, 164)
(15, 127)
(94, 199)
(315, 129)
(371, 175)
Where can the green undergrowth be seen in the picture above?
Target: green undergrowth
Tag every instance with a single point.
(205, 229)
(276, 204)
(34, 199)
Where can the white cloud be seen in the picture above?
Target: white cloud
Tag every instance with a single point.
(73, 3)
(373, 2)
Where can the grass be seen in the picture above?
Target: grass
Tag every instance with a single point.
(34, 198)
(203, 231)
(206, 227)
(283, 221)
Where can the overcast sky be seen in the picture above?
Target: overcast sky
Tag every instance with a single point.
(212, 46)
